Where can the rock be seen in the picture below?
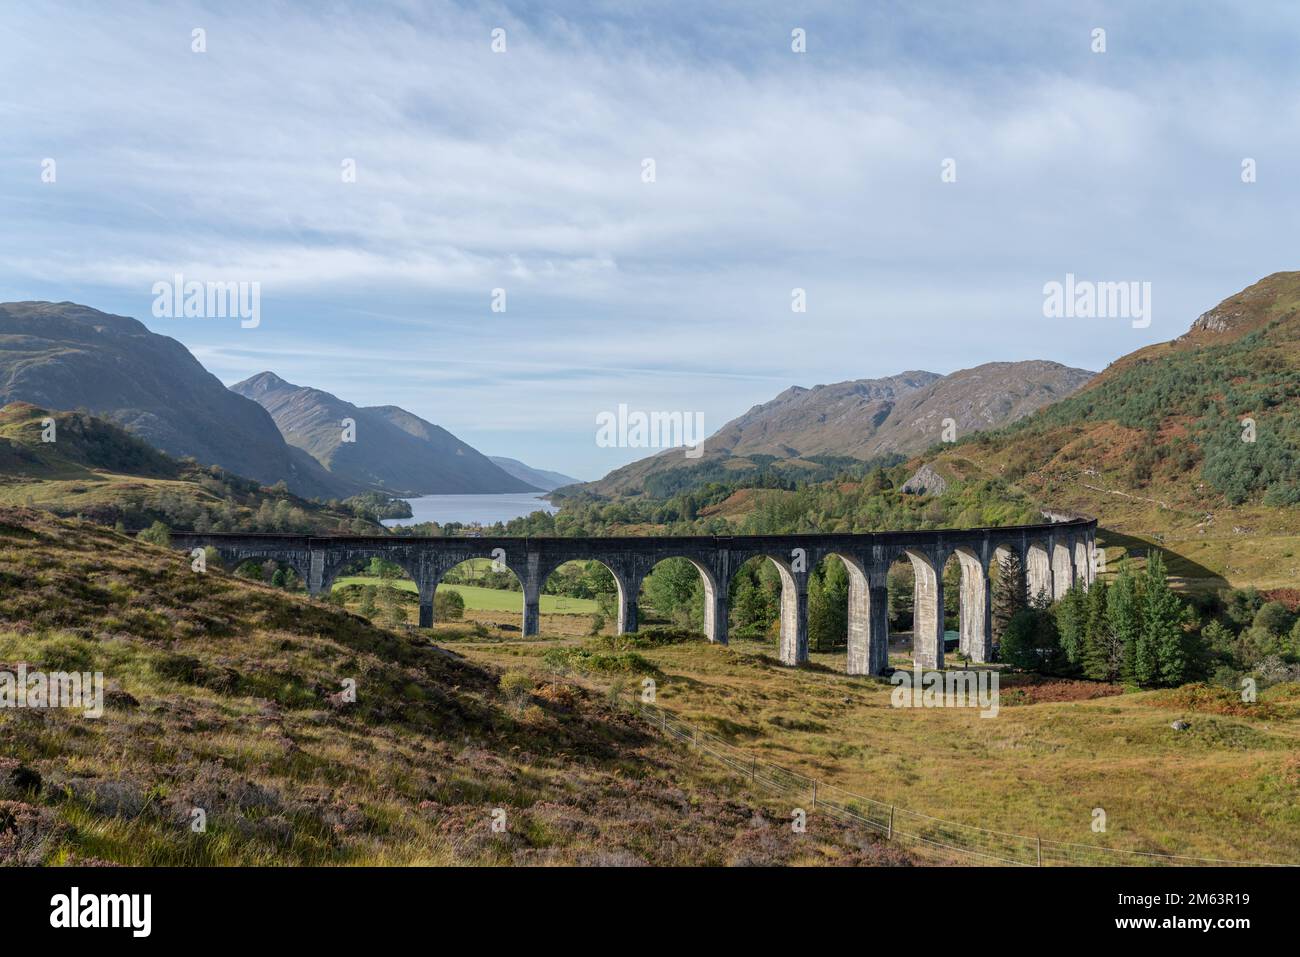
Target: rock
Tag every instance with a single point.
(1180, 725)
(925, 481)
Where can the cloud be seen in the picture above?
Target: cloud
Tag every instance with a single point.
(523, 170)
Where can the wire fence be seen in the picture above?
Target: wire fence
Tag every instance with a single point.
(929, 835)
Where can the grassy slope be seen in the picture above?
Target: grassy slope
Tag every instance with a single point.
(95, 468)
(221, 699)
(1229, 787)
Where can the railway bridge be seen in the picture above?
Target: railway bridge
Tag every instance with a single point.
(1054, 555)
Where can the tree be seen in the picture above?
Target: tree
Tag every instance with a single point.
(1008, 592)
(1162, 628)
(1103, 655)
(1031, 641)
(278, 579)
(1242, 604)
(900, 591)
(754, 604)
(1072, 623)
(448, 605)
(367, 606)
(828, 606)
(1124, 615)
(1274, 617)
(675, 591)
(394, 613)
(156, 534)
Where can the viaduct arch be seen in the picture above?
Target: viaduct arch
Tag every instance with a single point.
(1054, 555)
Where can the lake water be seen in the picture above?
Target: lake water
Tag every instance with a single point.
(468, 509)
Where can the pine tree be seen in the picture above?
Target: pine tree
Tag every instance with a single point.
(1162, 626)
(1123, 612)
(1008, 593)
(1072, 622)
(1102, 655)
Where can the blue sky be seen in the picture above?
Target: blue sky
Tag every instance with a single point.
(523, 170)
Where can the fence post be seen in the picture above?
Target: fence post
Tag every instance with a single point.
(814, 800)
(753, 769)
(1040, 852)
(889, 835)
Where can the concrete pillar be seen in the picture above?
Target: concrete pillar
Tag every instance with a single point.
(426, 586)
(1062, 570)
(1038, 572)
(927, 614)
(316, 572)
(717, 607)
(794, 619)
(532, 581)
(976, 612)
(859, 662)
(878, 636)
(627, 606)
(532, 608)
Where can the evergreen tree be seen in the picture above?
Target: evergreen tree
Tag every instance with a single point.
(1124, 614)
(1008, 593)
(1072, 623)
(1102, 654)
(1162, 627)
(1031, 640)
(828, 606)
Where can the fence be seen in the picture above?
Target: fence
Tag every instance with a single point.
(928, 835)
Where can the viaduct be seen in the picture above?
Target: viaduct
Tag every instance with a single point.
(1054, 555)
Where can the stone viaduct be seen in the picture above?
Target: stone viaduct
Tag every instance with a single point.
(1053, 555)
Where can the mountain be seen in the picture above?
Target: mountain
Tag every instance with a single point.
(393, 450)
(865, 419)
(73, 463)
(66, 356)
(1192, 443)
(543, 479)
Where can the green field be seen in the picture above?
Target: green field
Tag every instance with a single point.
(489, 599)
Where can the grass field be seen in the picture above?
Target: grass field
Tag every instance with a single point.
(489, 599)
(1228, 787)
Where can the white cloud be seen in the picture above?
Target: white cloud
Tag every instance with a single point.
(522, 170)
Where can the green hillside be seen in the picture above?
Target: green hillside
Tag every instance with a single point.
(1154, 445)
(97, 470)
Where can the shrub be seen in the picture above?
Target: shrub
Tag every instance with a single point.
(448, 605)
(517, 687)
(156, 534)
(579, 659)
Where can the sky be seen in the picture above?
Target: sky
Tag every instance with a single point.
(525, 170)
